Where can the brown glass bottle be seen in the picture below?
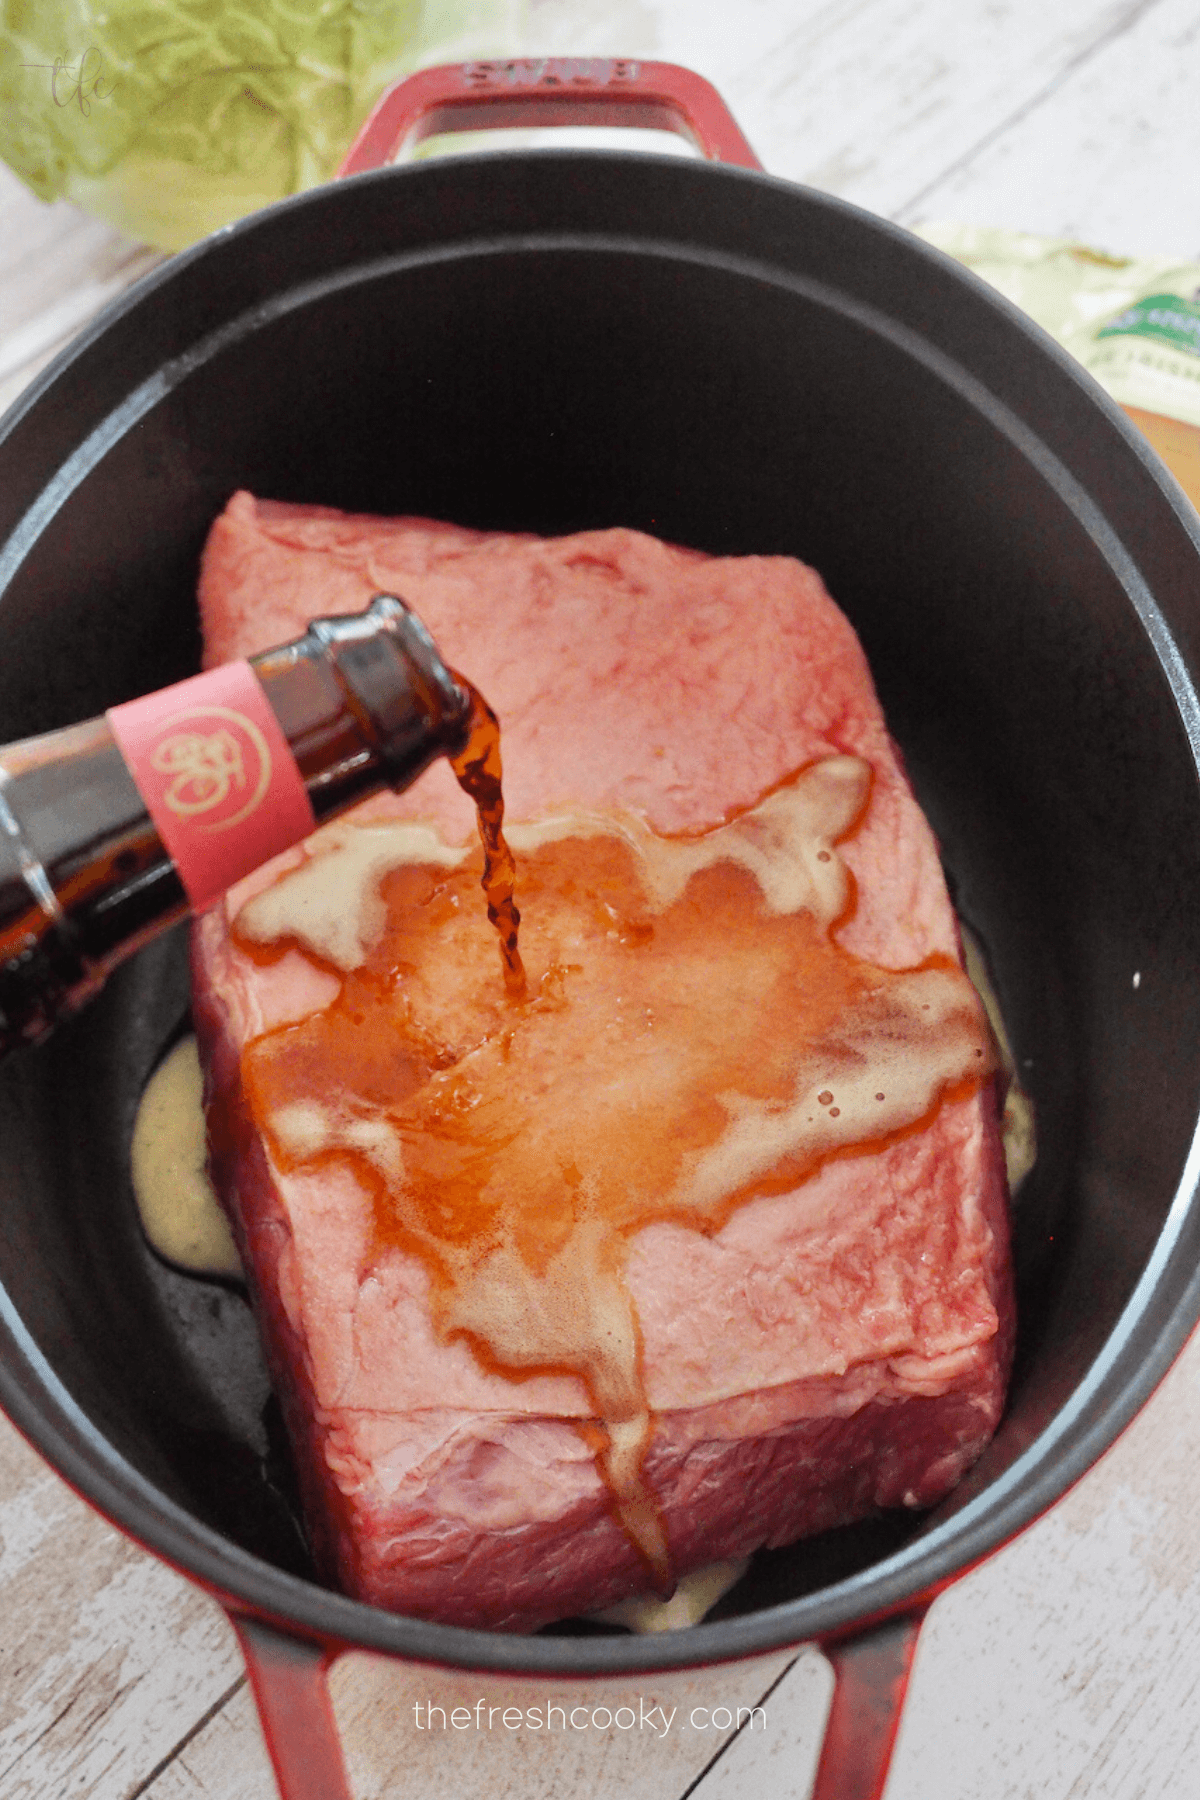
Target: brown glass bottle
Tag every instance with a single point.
(364, 702)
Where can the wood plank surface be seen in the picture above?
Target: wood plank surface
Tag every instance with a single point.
(1108, 155)
(1065, 1667)
(106, 1655)
(877, 101)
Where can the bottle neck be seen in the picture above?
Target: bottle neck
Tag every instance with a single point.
(364, 696)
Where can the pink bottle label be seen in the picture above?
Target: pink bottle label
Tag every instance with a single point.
(217, 775)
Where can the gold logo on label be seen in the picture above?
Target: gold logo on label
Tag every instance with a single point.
(203, 767)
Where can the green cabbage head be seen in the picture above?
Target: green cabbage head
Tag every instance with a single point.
(171, 117)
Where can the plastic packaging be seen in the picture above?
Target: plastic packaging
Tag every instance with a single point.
(1133, 322)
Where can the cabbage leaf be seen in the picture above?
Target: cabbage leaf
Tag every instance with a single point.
(170, 116)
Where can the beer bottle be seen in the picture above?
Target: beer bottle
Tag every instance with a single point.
(111, 831)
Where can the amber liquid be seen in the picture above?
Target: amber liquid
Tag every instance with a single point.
(478, 771)
(517, 1149)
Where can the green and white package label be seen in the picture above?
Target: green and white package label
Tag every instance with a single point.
(1163, 317)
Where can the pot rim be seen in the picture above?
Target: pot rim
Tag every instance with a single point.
(1137, 1354)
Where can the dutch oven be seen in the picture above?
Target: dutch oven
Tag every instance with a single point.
(550, 341)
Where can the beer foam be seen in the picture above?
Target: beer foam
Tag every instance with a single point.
(692, 1036)
(787, 842)
(179, 1210)
(330, 905)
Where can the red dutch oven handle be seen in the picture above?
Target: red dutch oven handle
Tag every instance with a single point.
(288, 1672)
(549, 90)
(870, 1675)
(288, 1677)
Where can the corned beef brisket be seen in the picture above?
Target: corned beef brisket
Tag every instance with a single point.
(629, 1277)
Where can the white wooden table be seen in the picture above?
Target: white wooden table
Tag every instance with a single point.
(1069, 1665)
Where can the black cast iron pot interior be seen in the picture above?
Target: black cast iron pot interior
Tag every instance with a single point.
(551, 342)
